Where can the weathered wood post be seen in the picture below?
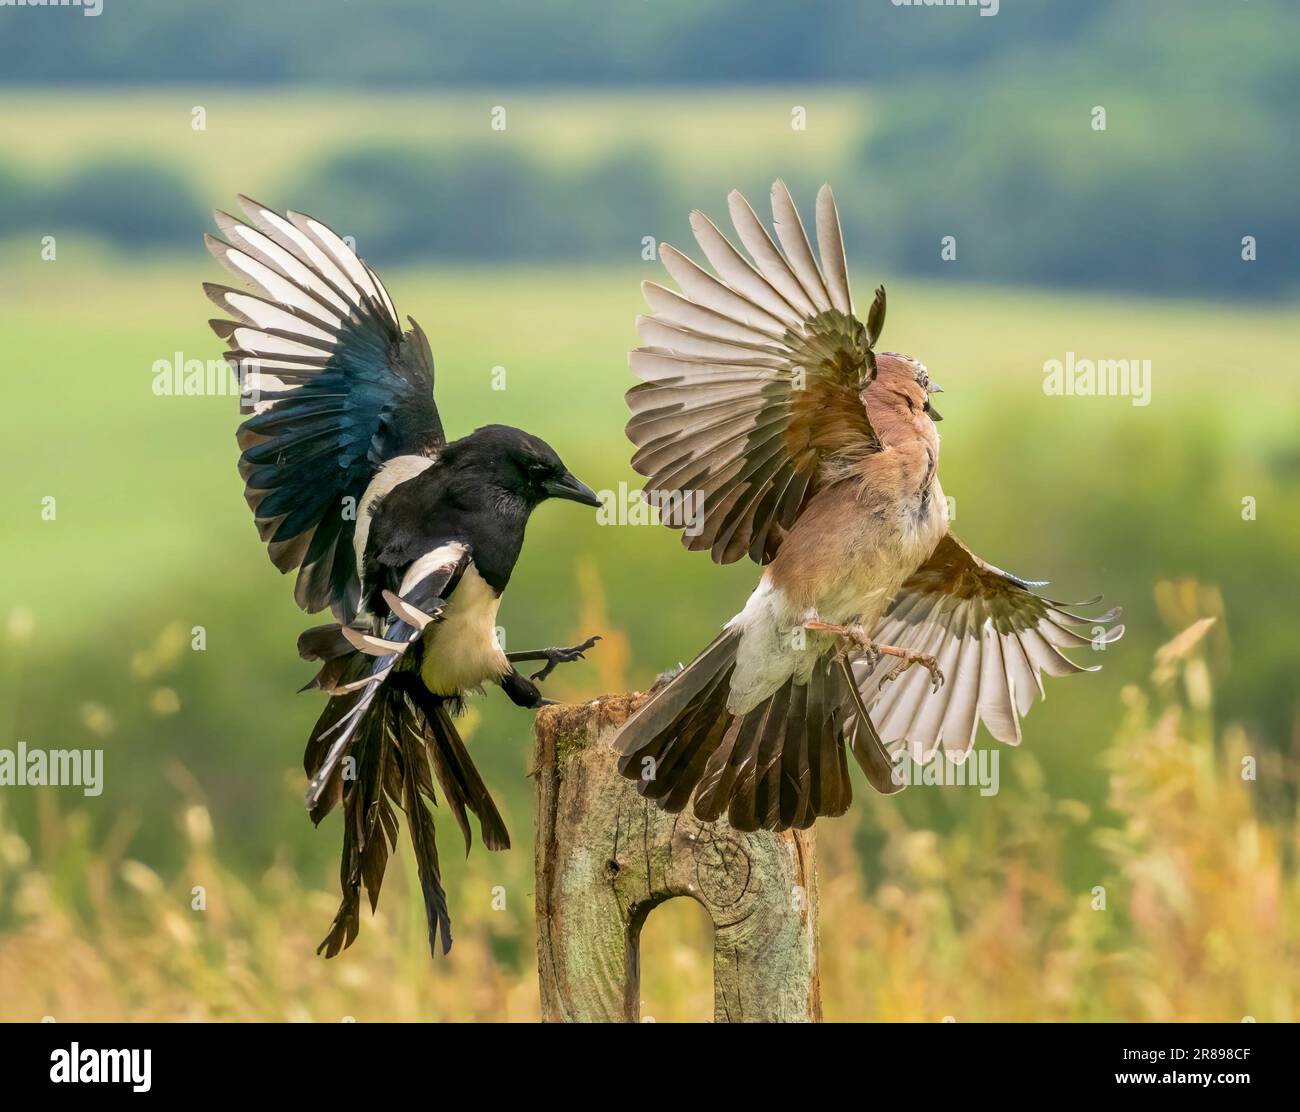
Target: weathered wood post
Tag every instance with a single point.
(605, 858)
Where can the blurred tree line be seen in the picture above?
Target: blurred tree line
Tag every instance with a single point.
(463, 202)
(985, 130)
(404, 43)
(1141, 158)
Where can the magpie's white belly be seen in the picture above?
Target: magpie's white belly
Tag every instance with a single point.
(461, 651)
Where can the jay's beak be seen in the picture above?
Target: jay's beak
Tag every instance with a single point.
(572, 488)
(935, 416)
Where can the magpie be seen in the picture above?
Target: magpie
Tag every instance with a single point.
(407, 538)
(766, 409)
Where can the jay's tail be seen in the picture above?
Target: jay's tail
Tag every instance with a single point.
(780, 765)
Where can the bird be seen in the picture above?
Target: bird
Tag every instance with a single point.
(407, 538)
(769, 425)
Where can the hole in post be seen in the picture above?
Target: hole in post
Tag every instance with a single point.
(677, 963)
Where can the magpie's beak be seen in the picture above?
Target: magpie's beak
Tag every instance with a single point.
(572, 488)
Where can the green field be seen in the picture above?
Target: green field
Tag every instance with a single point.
(151, 531)
(253, 142)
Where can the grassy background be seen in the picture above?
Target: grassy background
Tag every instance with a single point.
(152, 538)
(245, 148)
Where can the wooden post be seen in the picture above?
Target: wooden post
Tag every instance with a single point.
(605, 857)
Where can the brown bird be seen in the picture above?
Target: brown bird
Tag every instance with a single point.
(768, 425)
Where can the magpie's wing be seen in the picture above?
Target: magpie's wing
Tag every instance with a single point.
(993, 638)
(336, 389)
(752, 380)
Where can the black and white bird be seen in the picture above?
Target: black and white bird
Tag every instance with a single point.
(408, 539)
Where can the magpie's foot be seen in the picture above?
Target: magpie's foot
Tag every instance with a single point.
(562, 656)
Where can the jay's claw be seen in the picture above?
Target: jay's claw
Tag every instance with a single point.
(926, 661)
(872, 651)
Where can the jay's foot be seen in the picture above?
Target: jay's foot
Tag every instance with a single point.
(859, 637)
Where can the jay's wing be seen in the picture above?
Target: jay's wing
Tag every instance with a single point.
(993, 638)
(335, 387)
(752, 380)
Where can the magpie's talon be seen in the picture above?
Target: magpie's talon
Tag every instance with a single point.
(544, 671)
(563, 656)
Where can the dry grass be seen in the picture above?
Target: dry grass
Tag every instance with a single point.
(1199, 919)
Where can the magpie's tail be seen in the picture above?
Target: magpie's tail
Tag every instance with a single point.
(376, 748)
(780, 765)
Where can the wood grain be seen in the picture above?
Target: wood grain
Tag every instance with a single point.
(605, 858)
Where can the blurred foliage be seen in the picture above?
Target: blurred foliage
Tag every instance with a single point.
(512, 42)
(134, 203)
(153, 538)
(1159, 200)
(18, 197)
(979, 128)
(480, 204)
(1193, 914)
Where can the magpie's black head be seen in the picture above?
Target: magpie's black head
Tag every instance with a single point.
(518, 464)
